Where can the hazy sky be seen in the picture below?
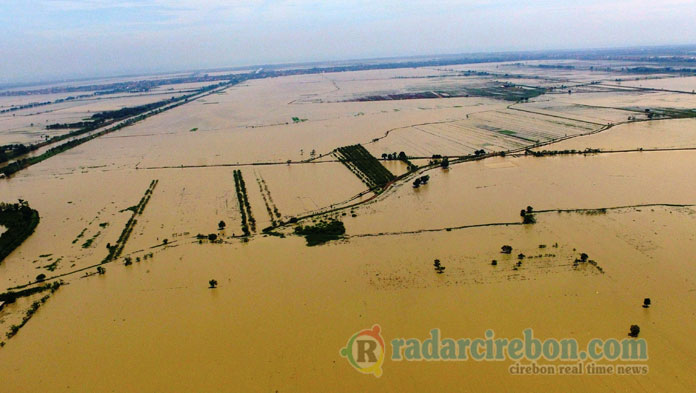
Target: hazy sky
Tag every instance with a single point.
(45, 39)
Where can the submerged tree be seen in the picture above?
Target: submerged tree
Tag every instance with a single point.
(529, 219)
(635, 331)
(444, 164)
(438, 267)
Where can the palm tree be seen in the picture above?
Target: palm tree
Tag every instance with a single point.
(213, 283)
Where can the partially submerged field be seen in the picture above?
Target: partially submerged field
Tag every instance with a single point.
(160, 208)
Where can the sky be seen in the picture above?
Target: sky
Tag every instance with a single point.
(54, 39)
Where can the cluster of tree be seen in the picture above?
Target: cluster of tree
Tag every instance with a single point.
(98, 122)
(528, 215)
(116, 249)
(63, 126)
(423, 180)
(394, 156)
(12, 296)
(32, 309)
(248, 220)
(321, 232)
(24, 106)
(211, 236)
(560, 152)
(20, 221)
(401, 157)
(8, 152)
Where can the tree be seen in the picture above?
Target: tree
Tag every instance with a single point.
(635, 331)
(221, 225)
(646, 302)
(402, 156)
(101, 270)
(212, 237)
(444, 164)
(384, 156)
(417, 183)
(165, 241)
(529, 219)
(583, 257)
(41, 277)
(213, 283)
(530, 209)
(506, 249)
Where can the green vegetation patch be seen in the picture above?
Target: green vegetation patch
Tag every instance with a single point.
(12, 296)
(321, 232)
(248, 220)
(116, 249)
(20, 221)
(364, 165)
(88, 242)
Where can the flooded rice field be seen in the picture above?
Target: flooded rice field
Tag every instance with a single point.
(138, 223)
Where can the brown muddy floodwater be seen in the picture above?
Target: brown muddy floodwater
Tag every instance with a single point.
(282, 311)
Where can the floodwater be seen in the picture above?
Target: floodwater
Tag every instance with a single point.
(282, 310)
(663, 134)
